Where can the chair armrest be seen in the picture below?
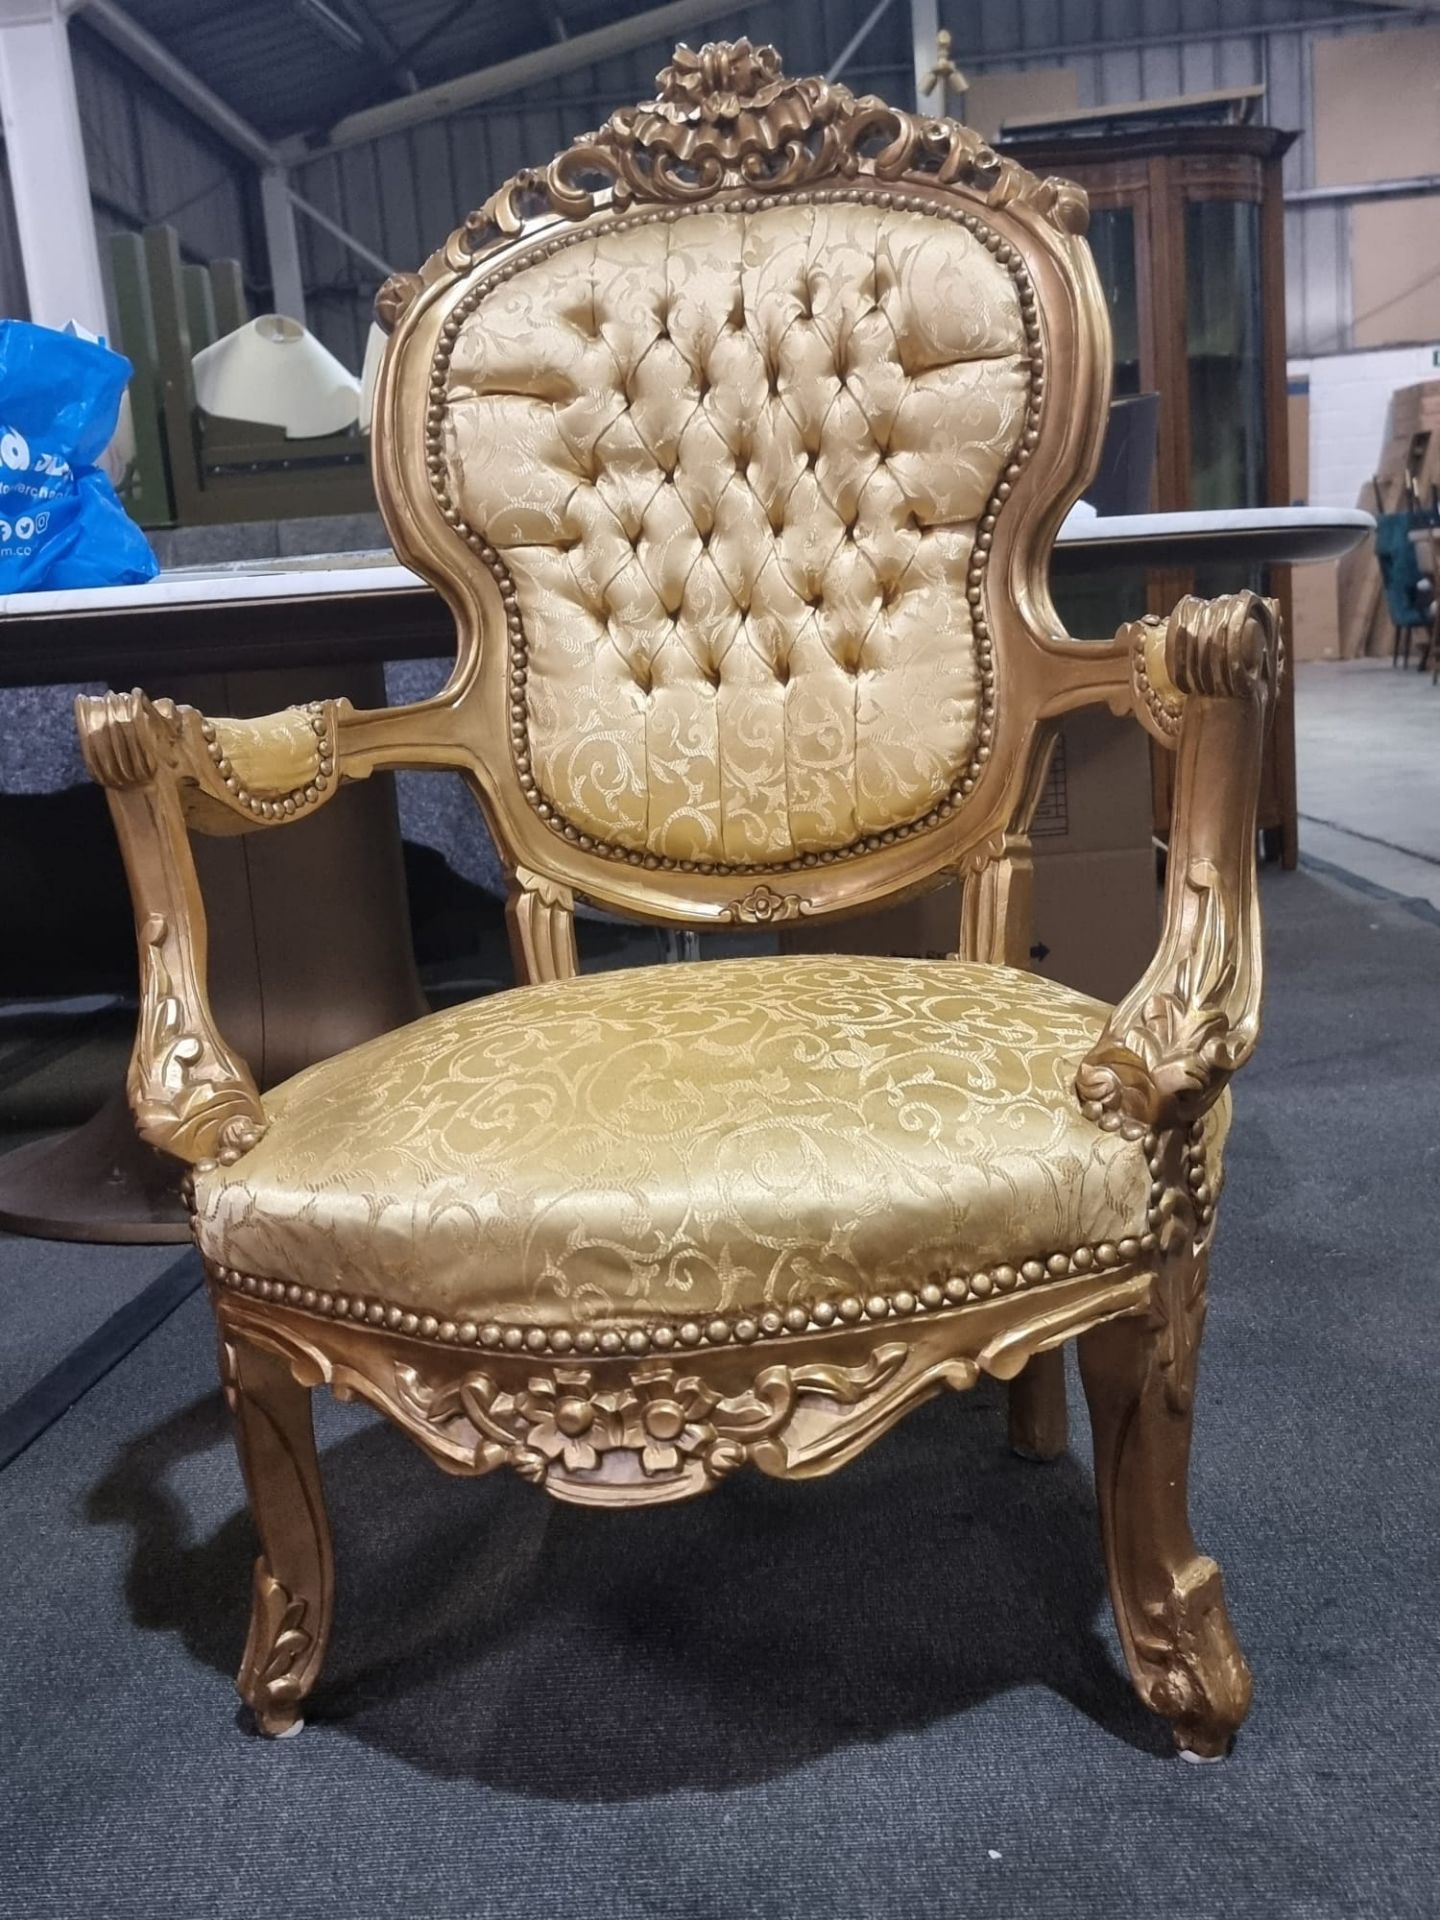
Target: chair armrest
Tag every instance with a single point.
(165, 768)
(232, 776)
(1204, 684)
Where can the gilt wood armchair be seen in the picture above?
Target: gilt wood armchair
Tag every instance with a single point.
(737, 440)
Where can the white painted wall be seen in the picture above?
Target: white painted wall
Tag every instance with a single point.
(1349, 396)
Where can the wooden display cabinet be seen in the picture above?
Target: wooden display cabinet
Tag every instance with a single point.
(1187, 227)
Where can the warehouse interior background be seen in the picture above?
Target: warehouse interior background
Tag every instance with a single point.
(388, 120)
(810, 1737)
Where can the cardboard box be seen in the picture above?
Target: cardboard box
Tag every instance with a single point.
(1297, 427)
(1315, 611)
(1097, 901)
(1395, 258)
(1373, 112)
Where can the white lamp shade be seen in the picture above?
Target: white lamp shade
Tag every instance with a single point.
(375, 344)
(275, 372)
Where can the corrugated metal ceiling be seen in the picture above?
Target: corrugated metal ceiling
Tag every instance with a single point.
(279, 64)
(289, 71)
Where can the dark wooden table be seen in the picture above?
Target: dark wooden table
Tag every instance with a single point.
(310, 947)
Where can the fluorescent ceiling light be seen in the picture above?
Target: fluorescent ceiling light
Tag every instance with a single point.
(340, 30)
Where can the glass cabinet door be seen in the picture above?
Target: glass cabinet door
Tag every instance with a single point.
(1224, 347)
(1112, 241)
(1094, 605)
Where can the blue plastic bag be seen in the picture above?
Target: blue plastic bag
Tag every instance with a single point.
(61, 524)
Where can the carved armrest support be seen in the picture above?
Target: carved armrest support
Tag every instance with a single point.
(165, 768)
(1205, 680)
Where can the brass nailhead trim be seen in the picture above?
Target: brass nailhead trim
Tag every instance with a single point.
(941, 1290)
(1165, 713)
(275, 806)
(964, 783)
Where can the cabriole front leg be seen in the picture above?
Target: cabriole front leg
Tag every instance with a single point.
(294, 1575)
(1169, 1601)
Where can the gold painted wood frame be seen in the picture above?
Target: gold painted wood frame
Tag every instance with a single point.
(659, 1409)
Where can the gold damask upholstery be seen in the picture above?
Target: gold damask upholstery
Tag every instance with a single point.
(624, 1150)
(745, 461)
(740, 477)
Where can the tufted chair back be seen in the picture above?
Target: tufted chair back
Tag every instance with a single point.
(741, 479)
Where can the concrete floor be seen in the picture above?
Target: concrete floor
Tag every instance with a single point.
(1367, 739)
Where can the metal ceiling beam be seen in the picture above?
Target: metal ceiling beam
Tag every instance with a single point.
(528, 70)
(146, 52)
(49, 182)
(857, 39)
(382, 46)
(438, 27)
(347, 239)
(282, 245)
(337, 28)
(353, 24)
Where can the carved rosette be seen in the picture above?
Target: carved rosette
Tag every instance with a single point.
(763, 907)
(629, 1425)
(726, 118)
(647, 1433)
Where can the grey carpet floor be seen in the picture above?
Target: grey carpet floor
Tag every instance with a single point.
(58, 1062)
(896, 1692)
(54, 1295)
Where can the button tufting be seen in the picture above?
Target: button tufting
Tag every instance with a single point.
(838, 361)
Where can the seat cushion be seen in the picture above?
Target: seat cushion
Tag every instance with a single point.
(687, 1141)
